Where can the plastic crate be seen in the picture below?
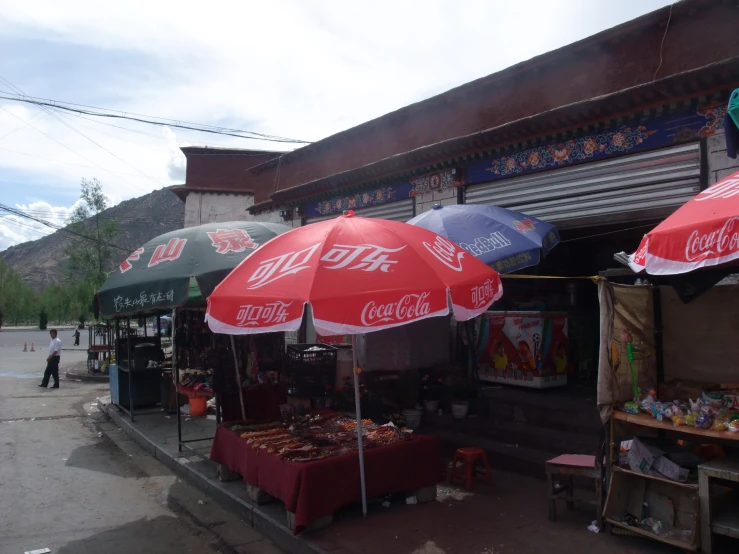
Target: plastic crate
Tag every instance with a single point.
(307, 355)
(309, 372)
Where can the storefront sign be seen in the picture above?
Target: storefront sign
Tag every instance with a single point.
(444, 179)
(642, 134)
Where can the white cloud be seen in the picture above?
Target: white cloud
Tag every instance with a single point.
(16, 229)
(287, 67)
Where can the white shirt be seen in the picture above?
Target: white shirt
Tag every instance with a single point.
(55, 347)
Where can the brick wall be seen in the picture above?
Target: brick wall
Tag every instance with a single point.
(427, 201)
(719, 164)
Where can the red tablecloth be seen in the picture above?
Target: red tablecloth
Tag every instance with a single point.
(314, 489)
(261, 402)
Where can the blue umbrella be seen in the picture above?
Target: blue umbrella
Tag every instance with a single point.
(505, 239)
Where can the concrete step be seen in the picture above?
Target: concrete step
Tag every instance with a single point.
(569, 409)
(545, 439)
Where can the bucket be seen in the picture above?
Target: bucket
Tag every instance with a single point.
(460, 409)
(412, 418)
(197, 406)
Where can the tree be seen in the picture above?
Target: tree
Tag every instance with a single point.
(91, 256)
(11, 293)
(43, 319)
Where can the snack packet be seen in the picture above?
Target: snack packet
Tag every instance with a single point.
(721, 423)
(679, 420)
(734, 426)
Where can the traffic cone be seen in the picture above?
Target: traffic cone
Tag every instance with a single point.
(25, 347)
(32, 348)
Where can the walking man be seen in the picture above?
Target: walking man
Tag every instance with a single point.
(52, 361)
(76, 337)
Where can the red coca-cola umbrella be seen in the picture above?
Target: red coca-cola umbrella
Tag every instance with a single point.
(359, 275)
(702, 233)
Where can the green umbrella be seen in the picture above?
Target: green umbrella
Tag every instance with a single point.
(181, 268)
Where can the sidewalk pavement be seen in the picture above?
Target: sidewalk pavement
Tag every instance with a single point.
(509, 516)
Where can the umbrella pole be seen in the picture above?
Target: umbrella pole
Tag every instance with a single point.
(472, 369)
(359, 425)
(238, 379)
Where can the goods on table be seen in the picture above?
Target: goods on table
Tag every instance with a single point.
(197, 380)
(712, 410)
(318, 436)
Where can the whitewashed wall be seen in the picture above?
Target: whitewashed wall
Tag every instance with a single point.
(203, 208)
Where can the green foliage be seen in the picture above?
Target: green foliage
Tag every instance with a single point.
(91, 256)
(43, 319)
(13, 294)
(21, 305)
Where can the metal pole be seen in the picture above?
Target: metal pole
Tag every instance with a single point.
(356, 371)
(176, 364)
(238, 379)
(129, 363)
(471, 366)
(217, 394)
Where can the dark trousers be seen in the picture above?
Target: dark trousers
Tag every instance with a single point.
(52, 370)
(76, 341)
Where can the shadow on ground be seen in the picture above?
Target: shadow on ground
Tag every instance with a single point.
(160, 534)
(105, 457)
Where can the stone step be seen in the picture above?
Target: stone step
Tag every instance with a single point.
(571, 409)
(546, 439)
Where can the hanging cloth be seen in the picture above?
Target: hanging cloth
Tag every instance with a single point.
(731, 125)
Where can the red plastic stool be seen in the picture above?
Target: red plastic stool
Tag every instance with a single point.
(469, 455)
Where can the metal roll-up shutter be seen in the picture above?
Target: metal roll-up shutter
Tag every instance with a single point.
(401, 210)
(649, 185)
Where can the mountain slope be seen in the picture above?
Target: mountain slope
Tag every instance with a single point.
(43, 262)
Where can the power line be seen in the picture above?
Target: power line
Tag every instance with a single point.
(160, 137)
(68, 148)
(58, 227)
(163, 122)
(42, 114)
(62, 161)
(59, 118)
(7, 219)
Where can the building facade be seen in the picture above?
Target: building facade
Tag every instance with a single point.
(622, 127)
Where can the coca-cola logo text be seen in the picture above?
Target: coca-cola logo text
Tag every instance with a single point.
(367, 257)
(446, 252)
(721, 190)
(484, 294)
(717, 243)
(278, 267)
(271, 313)
(409, 307)
(641, 254)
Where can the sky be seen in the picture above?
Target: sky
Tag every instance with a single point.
(303, 70)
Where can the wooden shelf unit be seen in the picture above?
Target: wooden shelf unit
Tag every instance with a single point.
(646, 420)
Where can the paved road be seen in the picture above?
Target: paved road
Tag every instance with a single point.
(68, 489)
(18, 364)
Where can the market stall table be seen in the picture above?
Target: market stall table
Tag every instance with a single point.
(315, 489)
